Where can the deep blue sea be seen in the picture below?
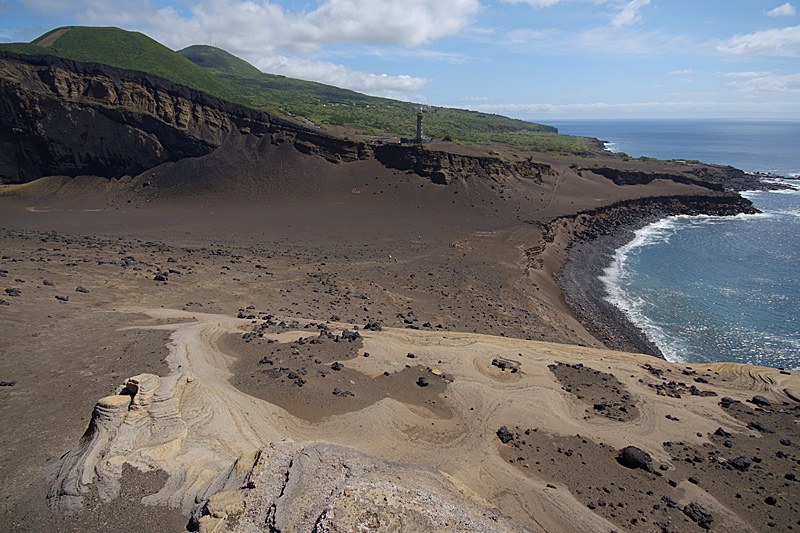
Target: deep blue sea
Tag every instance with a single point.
(708, 289)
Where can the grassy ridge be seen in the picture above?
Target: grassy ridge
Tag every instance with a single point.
(217, 72)
(359, 113)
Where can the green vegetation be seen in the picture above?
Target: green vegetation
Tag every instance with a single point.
(217, 72)
(124, 49)
(34, 189)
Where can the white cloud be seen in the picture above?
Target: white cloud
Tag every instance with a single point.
(257, 28)
(264, 25)
(626, 11)
(769, 83)
(534, 3)
(682, 72)
(786, 10)
(776, 42)
(399, 87)
(629, 14)
(280, 40)
(705, 108)
(603, 40)
(746, 74)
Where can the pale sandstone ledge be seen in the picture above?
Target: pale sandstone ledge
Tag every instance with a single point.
(235, 461)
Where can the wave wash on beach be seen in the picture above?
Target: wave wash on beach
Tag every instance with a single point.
(707, 289)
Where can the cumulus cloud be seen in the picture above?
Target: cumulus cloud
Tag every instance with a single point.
(786, 10)
(775, 42)
(280, 40)
(399, 87)
(267, 25)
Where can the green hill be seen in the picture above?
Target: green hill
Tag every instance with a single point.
(124, 49)
(222, 74)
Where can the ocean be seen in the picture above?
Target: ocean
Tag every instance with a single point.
(709, 289)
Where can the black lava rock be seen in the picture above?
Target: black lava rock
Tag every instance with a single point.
(698, 515)
(422, 382)
(727, 401)
(504, 435)
(350, 336)
(633, 457)
(722, 433)
(372, 325)
(741, 463)
(758, 426)
(761, 401)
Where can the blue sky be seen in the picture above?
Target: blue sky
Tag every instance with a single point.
(532, 59)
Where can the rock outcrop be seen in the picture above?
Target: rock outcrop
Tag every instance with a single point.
(441, 167)
(635, 177)
(328, 487)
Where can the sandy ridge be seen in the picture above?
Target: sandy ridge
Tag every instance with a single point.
(197, 424)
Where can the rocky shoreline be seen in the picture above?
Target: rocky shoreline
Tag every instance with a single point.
(598, 236)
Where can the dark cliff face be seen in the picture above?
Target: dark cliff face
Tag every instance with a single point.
(64, 117)
(629, 177)
(441, 167)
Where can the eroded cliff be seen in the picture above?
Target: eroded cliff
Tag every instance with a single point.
(64, 117)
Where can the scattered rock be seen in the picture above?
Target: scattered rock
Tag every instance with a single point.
(699, 515)
(727, 401)
(373, 325)
(160, 277)
(81, 289)
(759, 426)
(633, 457)
(11, 291)
(8, 383)
(506, 364)
(337, 366)
(350, 336)
(761, 401)
(741, 463)
(504, 435)
(722, 433)
(62, 298)
(422, 382)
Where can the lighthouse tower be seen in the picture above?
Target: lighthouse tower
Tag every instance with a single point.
(419, 126)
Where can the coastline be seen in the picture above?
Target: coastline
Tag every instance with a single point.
(598, 236)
